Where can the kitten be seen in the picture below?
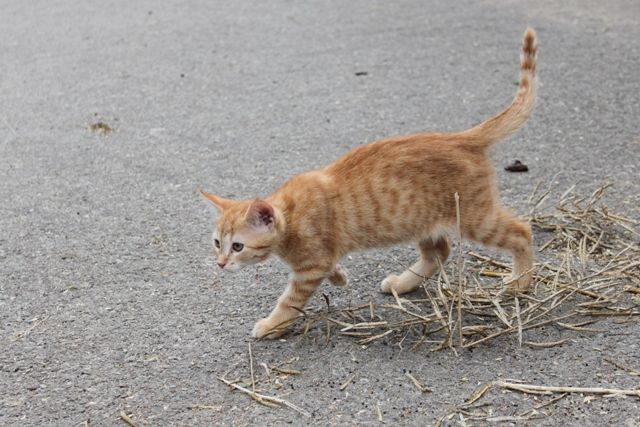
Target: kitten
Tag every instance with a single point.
(379, 194)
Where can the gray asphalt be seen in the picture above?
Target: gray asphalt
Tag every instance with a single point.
(109, 297)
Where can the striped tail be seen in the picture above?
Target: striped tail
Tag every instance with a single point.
(510, 120)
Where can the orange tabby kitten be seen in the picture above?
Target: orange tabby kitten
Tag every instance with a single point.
(383, 193)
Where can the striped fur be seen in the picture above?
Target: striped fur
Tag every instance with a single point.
(379, 194)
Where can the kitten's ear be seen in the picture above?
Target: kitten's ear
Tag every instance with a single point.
(261, 214)
(220, 203)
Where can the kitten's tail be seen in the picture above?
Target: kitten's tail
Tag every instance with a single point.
(511, 119)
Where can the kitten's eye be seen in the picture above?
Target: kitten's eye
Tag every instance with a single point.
(217, 243)
(237, 247)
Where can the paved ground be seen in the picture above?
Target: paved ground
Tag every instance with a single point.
(109, 299)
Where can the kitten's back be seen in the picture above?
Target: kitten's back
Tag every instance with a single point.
(402, 188)
(396, 189)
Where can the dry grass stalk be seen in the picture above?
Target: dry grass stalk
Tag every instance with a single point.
(418, 384)
(395, 295)
(124, 417)
(253, 379)
(549, 402)
(533, 389)
(375, 337)
(347, 382)
(519, 324)
(286, 371)
(478, 394)
(378, 411)
(508, 418)
(459, 268)
(214, 408)
(579, 327)
(619, 365)
(270, 401)
(546, 344)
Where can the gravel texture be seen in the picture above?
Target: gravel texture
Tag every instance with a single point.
(110, 300)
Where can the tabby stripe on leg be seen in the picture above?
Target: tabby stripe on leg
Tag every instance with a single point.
(299, 292)
(489, 236)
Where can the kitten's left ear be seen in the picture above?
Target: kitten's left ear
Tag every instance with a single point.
(220, 203)
(261, 214)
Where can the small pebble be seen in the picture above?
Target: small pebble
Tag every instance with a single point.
(516, 166)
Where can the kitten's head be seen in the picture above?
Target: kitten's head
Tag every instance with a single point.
(246, 233)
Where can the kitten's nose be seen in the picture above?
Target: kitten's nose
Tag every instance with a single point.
(221, 264)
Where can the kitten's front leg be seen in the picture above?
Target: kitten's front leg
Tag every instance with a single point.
(298, 292)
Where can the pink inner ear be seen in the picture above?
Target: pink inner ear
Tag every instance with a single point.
(261, 214)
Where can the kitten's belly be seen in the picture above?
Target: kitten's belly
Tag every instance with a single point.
(369, 237)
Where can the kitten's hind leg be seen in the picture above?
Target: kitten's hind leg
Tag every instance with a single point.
(431, 249)
(339, 276)
(509, 233)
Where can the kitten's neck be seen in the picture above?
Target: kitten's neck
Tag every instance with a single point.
(282, 213)
(304, 206)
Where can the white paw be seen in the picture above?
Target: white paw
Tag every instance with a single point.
(517, 285)
(391, 281)
(262, 329)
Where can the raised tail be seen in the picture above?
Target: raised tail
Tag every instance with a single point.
(513, 117)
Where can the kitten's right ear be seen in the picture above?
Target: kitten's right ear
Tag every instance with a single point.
(261, 215)
(220, 203)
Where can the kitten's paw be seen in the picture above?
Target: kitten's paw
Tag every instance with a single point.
(517, 284)
(392, 281)
(265, 328)
(339, 276)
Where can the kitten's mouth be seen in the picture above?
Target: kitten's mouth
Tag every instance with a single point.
(231, 268)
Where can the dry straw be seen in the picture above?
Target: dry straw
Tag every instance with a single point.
(588, 269)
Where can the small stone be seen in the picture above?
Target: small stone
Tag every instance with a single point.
(516, 166)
